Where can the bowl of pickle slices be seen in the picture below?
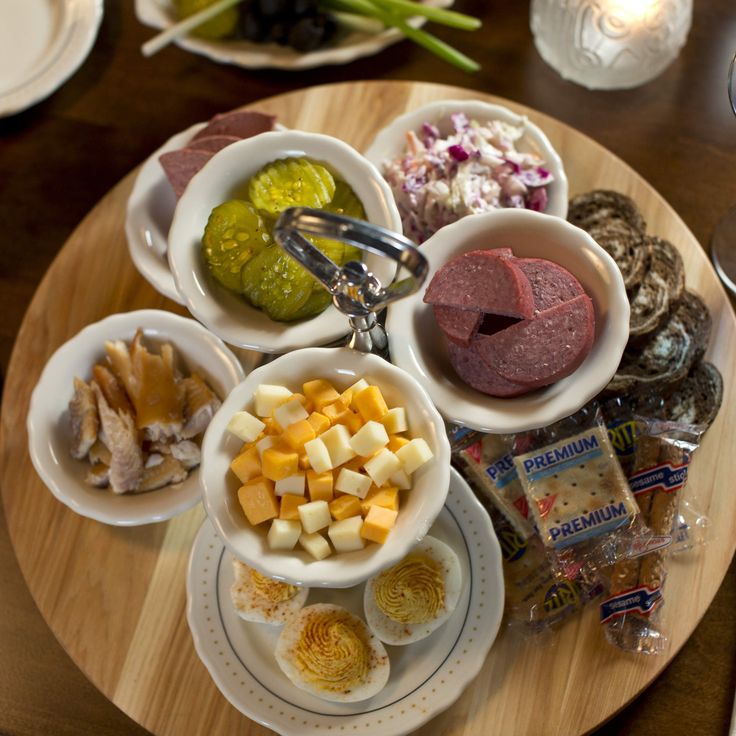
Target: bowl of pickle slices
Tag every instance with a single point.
(228, 268)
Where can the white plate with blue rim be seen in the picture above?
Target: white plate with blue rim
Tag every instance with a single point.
(426, 677)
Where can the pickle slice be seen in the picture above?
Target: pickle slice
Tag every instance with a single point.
(318, 301)
(344, 202)
(291, 182)
(235, 232)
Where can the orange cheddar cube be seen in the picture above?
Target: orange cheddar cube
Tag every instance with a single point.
(320, 393)
(258, 500)
(272, 426)
(290, 504)
(279, 464)
(304, 463)
(353, 422)
(344, 507)
(396, 442)
(356, 463)
(320, 485)
(247, 465)
(319, 422)
(387, 497)
(298, 433)
(378, 523)
(337, 412)
(370, 404)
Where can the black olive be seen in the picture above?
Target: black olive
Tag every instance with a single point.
(275, 8)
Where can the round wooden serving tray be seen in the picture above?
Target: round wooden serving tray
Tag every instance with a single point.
(115, 597)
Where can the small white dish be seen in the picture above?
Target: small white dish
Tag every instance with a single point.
(227, 314)
(48, 434)
(342, 367)
(418, 346)
(426, 677)
(348, 47)
(42, 44)
(390, 142)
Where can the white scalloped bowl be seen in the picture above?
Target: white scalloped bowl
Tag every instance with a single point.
(390, 142)
(418, 346)
(47, 421)
(226, 313)
(420, 505)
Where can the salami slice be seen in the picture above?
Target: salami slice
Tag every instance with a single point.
(238, 123)
(180, 166)
(471, 369)
(551, 284)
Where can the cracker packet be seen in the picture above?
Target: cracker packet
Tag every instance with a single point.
(630, 612)
(579, 497)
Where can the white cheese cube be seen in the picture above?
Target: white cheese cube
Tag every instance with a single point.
(382, 466)
(245, 426)
(369, 439)
(294, 484)
(395, 420)
(337, 442)
(316, 545)
(356, 484)
(284, 534)
(354, 390)
(290, 412)
(268, 397)
(314, 516)
(400, 479)
(414, 455)
(345, 534)
(263, 444)
(319, 457)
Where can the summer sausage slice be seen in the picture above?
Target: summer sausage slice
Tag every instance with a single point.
(551, 284)
(471, 369)
(459, 325)
(539, 351)
(482, 281)
(212, 143)
(180, 166)
(238, 123)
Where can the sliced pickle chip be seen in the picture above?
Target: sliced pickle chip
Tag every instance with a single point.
(291, 182)
(318, 301)
(235, 232)
(344, 202)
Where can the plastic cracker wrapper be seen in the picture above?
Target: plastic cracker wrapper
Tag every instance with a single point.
(489, 462)
(630, 613)
(579, 497)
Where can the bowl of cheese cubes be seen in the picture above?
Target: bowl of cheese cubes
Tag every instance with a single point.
(324, 467)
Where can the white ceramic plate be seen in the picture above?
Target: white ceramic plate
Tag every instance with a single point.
(42, 43)
(426, 677)
(48, 436)
(160, 14)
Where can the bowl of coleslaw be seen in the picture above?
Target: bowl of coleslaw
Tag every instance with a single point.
(454, 158)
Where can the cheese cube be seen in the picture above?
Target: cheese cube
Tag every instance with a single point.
(394, 442)
(382, 466)
(387, 497)
(345, 507)
(414, 455)
(369, 439)
(353, 421)
(245, 426)
(320, 485)
(258, 500)
(370, 403)
(337, 441)
(303, 400)
(345, 534)
(304, 463)
(264, 443)
(395, 420)
(319, 457)
(278, 464)
(349, 393)
(319, 422)
(290, 412)
(320, 393)
(401, 480)
(293, 484)
(337, 412)
(316, 545)
(297, 434)
(378, 523)
(267, 397)
(247, 465)
(283, 534)
(357, 463)
(314, 516)
(290, 505)
(356, 484)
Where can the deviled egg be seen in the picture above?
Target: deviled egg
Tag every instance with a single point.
(407, 602)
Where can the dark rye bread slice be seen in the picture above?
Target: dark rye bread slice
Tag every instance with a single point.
(603, 206)
(626, 245)
(665, 356)
(698, 398)
(661, 287)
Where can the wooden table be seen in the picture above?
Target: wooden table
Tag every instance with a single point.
(59, 158)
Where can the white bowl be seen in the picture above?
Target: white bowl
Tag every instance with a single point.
(227, 314)
(390, 142)
(420, 505)
(418, 346)
(48, 435)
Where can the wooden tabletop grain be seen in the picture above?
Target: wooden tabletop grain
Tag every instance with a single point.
(60, 157)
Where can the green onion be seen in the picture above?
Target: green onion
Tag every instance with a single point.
(437, 15)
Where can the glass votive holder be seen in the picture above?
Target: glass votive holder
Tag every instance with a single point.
(610, 44)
